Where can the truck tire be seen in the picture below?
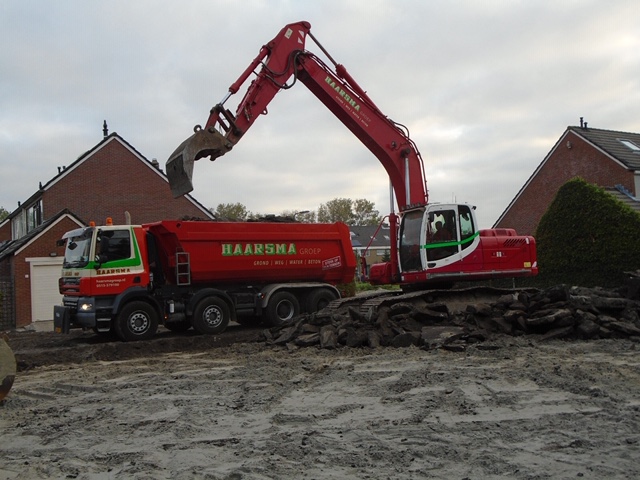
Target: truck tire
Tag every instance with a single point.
(319, 299)
(211, 316)
(282, 308)
(136, 321)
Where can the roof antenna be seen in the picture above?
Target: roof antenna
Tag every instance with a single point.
(105, 129)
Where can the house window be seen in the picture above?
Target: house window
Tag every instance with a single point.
(18, 225)
(34, 216)
(630, 145)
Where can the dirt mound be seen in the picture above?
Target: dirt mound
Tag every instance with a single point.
(453, 319)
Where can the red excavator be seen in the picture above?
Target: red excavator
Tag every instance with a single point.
(432, 244)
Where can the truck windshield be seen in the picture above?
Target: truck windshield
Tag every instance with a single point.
(76, 254)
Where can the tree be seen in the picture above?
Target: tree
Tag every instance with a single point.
(587, 238)
(352, 212)
(3, 213)
(336, 210)
(234, 212)
(365, 213)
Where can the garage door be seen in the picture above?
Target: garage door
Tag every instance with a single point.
(45, 273)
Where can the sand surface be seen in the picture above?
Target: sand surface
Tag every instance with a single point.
(190, 407)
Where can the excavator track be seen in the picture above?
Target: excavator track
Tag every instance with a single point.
(358, 300)
(369, 304)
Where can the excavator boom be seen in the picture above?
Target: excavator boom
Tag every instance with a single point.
(280, 64)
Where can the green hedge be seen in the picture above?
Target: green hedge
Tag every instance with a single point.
(587, 238)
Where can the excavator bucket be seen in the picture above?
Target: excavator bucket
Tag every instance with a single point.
(7, 368)
(202, 143)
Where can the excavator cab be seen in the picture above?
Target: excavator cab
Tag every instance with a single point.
(203, 143)
(435, 236)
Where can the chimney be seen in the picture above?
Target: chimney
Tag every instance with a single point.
(155, 163)
(581, 122)
(105, 129)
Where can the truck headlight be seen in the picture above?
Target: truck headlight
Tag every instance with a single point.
(86, 307)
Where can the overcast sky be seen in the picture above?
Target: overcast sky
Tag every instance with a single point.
(485, 87)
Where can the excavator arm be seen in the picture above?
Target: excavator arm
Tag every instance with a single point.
(280, 64)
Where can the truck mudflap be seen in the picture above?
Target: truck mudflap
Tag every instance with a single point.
(61, 319)
(202, 143)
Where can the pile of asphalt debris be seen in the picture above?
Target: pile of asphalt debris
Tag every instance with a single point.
(454, 319)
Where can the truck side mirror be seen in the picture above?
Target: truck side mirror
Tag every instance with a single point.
(100, 259)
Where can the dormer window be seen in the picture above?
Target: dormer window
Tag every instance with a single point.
(34, 216)
(630, 145)
(26, 220)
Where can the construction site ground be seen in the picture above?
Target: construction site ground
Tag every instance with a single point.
(185, 406)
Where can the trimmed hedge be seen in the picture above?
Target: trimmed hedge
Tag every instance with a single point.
(587, 238)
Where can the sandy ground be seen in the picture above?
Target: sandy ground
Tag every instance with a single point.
(183, 407)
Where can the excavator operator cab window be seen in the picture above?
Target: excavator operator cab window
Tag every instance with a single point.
(442, 234)
(409, 250)
(467, 228)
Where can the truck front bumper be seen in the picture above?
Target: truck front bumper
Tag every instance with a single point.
(61, 319)
(80, 313)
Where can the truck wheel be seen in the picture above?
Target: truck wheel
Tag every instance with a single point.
(136, 321)
(211, 316)
(319, 299)
(282, 307)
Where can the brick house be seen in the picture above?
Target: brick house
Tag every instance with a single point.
(606, 158)
(371, 244)
(110, 179)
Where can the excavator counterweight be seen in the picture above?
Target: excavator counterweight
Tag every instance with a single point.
(203, 143)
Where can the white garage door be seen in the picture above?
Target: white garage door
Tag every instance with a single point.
(45, 272)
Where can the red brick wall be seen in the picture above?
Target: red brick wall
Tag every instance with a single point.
(5, 267)
(111, 181)
(44, 245)
(581, 160)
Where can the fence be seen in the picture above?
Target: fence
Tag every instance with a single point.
(7, 310)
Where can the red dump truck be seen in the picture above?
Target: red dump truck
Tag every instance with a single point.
(202, 274)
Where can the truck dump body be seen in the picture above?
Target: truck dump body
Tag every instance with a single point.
(260, 252)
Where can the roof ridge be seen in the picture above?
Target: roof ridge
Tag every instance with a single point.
(583, 129)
